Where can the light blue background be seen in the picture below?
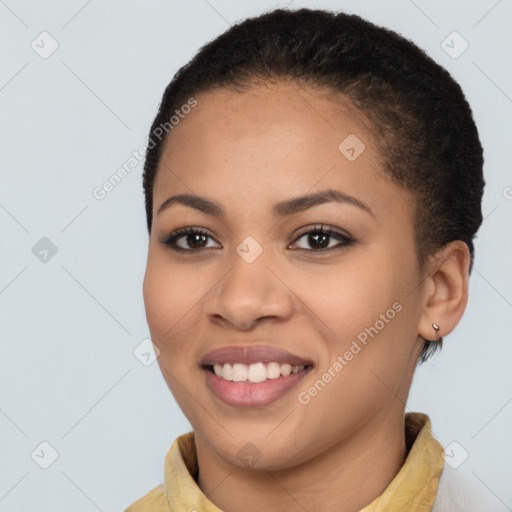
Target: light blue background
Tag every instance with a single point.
(68, 375)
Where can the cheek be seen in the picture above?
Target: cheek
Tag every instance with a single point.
(171, 299)
(364, 305)
(169, 296)
(351, 297)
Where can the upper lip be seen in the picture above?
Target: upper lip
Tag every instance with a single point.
(252, 354)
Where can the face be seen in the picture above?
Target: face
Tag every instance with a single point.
(260, 281)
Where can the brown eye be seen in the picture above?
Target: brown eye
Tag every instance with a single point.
(187, 240)
(319, 239)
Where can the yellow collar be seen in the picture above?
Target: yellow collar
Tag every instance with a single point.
(413, 489)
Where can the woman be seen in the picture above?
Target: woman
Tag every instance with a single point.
(313, 184)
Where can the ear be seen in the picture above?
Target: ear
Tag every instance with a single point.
(446, 290)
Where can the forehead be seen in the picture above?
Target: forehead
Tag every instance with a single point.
(274, 115)
(275, 140)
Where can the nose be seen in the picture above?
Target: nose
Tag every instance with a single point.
(250, 293)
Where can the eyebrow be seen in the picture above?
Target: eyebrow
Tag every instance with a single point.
(281, 209)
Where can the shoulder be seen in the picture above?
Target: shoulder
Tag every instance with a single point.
(154, 501)
(179, 461)
(460, 491)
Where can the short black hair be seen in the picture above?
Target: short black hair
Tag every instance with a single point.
(416, 112)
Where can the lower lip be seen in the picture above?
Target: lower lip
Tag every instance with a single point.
(247, 394)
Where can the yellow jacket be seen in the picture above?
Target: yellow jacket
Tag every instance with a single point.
(413, 489)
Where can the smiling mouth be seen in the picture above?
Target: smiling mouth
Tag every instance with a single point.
(255, 372)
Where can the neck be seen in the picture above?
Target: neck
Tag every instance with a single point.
(346, 477)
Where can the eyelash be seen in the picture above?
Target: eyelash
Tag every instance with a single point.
(170, 239)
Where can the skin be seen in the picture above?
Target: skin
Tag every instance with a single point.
(248, 150)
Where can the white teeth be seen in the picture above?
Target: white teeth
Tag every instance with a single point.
(256, 372)
(286, 369)
(273, 370)
(240, 372)
(217, 368)
(227, 372)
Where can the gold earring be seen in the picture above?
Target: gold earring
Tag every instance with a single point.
(436, 328)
